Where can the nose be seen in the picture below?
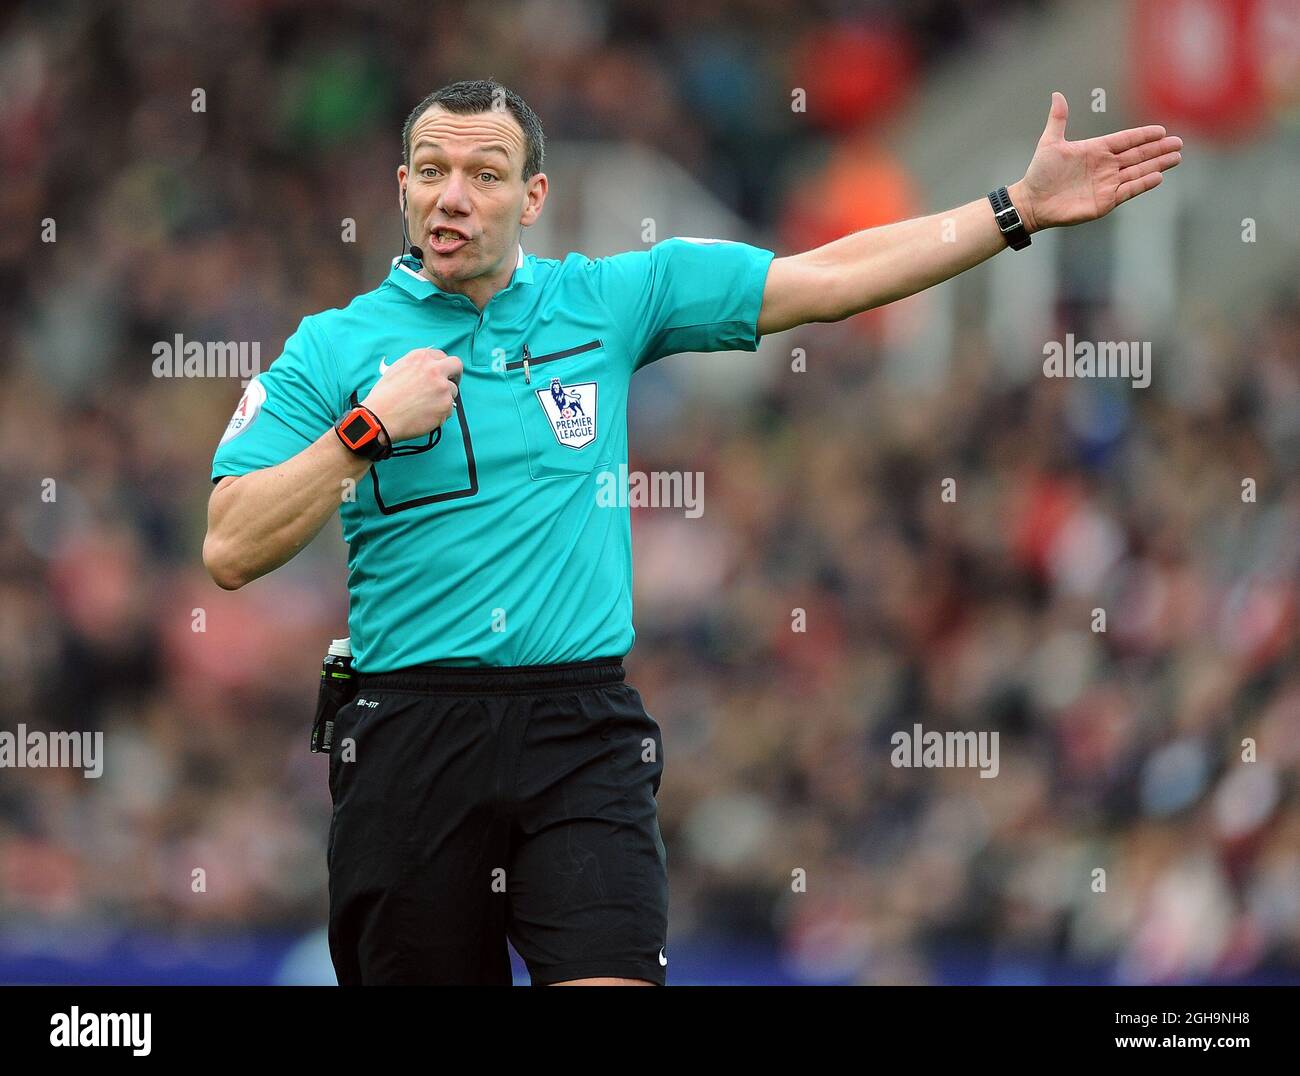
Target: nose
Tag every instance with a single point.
(454, 197)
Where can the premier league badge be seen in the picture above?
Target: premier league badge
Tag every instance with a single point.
(571, 411)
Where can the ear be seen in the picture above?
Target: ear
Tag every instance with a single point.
(534, 198)
(401, 187)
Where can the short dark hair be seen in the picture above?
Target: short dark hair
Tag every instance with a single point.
(483, 95)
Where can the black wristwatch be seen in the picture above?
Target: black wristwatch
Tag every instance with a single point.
(359, 430)
(1009, 222)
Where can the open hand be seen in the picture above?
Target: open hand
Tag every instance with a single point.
(1070, 182)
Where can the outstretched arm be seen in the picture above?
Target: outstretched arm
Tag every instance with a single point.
(1066, 183)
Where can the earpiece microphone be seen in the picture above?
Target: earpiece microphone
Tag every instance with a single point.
(416, 252)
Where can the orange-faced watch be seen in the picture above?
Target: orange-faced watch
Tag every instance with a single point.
(359, 430)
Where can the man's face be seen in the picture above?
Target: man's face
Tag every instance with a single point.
(466, 198)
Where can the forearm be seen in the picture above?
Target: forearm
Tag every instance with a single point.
(264, 518)
(880, 265)
(884, 264)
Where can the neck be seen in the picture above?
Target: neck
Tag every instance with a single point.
(478, 290)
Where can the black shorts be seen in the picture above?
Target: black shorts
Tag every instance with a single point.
(472, 805)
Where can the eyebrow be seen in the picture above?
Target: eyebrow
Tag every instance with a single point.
(492, 148)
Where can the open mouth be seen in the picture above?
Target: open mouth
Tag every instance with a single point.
(447, 240)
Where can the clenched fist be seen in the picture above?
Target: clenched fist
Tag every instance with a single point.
(416, 394)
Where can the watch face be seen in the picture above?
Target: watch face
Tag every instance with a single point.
(356, 429)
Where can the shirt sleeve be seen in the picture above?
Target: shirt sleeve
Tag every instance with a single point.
(685, 294)
(284, 409)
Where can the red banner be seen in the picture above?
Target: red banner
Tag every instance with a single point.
(1214, 67)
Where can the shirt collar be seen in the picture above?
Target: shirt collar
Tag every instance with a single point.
(405, 273)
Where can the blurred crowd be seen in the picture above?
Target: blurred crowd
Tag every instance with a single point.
(1122, 749)
(1144, 818)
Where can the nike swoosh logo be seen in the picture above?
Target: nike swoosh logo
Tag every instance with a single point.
(663, 960)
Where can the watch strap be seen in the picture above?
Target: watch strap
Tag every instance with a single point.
(1008, 219)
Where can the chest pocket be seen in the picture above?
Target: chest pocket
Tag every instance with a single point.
(558, 394)
(436, 467)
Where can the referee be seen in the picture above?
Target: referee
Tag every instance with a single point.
(503, 777)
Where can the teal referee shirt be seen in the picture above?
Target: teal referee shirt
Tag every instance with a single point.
(491, 546)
